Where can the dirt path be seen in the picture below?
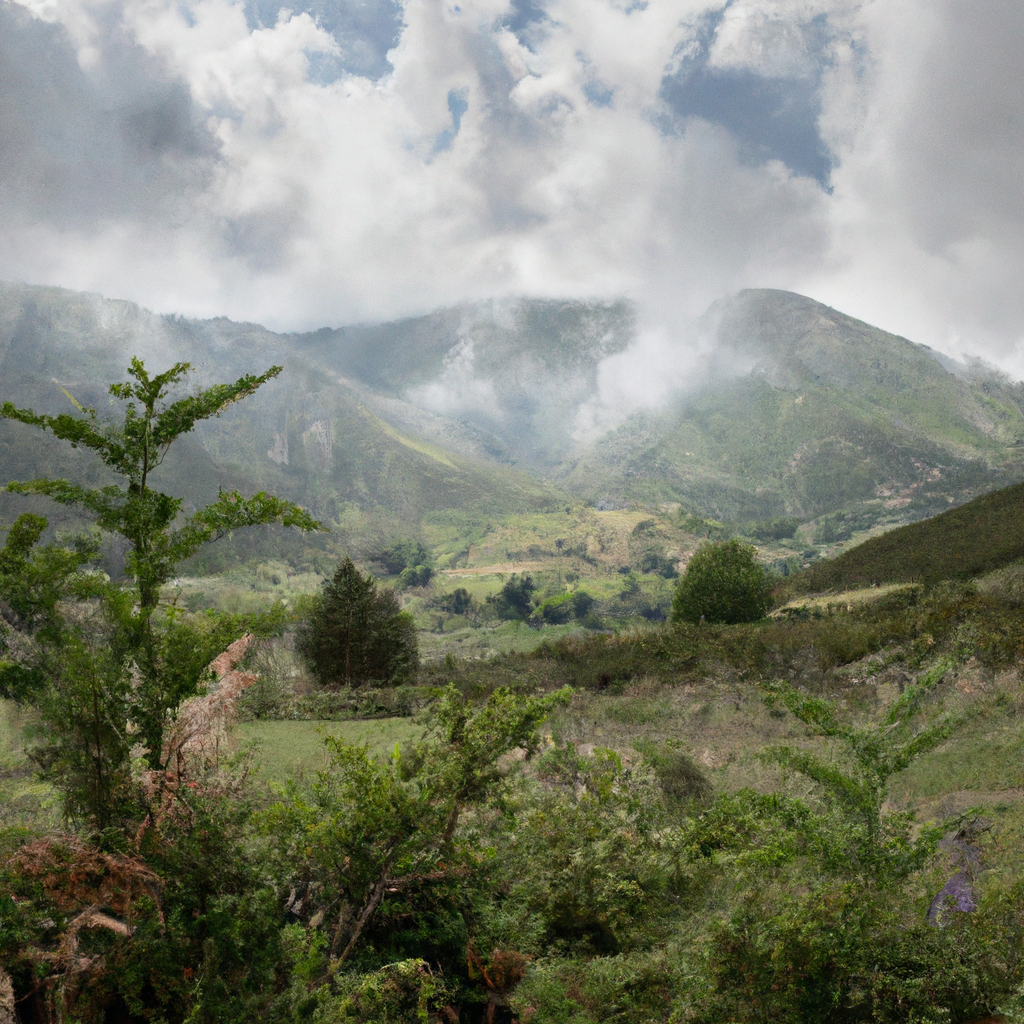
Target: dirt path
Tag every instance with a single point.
(504, 568)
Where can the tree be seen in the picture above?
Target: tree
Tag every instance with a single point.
(872, 840)
(409, 560)
(515, 599)
(356, 633)
(108, 681)
(826, 921)
(723, 583)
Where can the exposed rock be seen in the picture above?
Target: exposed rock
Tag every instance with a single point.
(957, 895)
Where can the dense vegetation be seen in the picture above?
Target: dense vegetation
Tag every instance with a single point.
(722, 583)
(685, 822)
(964, 542)
(357, 633)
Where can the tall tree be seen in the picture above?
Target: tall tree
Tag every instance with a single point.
(356, 633)
(124, 680)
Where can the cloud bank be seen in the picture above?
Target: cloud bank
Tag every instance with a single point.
(338, 161)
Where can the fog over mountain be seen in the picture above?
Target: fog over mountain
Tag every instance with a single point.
(333, 163)
(492, 408)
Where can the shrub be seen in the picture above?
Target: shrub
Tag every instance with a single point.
(723, 583)
(555, 610)
(357, 633)
(515, 599)
(410, 561)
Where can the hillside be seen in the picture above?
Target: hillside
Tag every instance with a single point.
(827, 414)
(469, 413)
(312, 435)
(979, 537)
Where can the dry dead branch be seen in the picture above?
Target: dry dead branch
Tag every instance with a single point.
(6, 999)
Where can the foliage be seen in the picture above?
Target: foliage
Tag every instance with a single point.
(961, 543)
(722, 583)
(356, 633)
(106, 679)
(143, 516)
(872, 842)
(778, 528)
(180, 926)
(410, 561)
(841, 950)
(680, 777)
(374, 843)
(591, 866)
(515, 599)
(458, 602)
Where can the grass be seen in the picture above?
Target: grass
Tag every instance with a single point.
(25, 803)
(979, 537)
(288, 749)
(982, 762)
(849, 598)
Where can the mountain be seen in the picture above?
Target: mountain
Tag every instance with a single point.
(979, 537)
(827, 413)
(472, 412)
(313, 435)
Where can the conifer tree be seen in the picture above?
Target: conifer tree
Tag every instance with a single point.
(357, 633)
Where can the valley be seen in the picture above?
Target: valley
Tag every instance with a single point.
(578, 805)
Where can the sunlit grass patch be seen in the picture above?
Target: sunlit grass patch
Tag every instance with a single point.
(12, 736)
(25, 802)
(286, 749)
(846, 600)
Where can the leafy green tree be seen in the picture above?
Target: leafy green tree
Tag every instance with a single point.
(145, 517)
(515, 599)
(855, 787)
(356, 632)
(458, 602)
(826, 921)
(589, 865)
(723, 583)
(409, 560)
(109, 680)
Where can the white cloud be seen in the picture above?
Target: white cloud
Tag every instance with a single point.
(928, 209)
(266, 194)
(770, 38)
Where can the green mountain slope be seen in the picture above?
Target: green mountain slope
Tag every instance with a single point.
(827, 413)
(311, 435)
(961, 543)
(470, 412)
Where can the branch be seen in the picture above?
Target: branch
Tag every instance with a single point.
(102, 501)
(181, 416)
(810, 710)
(829, 777)
(230, 512)
(79, 430)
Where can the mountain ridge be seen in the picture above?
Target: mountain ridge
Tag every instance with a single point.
(802, 411)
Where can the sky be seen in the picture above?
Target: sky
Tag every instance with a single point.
(350, 160)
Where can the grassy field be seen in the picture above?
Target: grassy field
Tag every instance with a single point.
(24, 802)
(290, 749)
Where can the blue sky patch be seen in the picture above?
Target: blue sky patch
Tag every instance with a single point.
(458, 104)
(772, 118)
(364, 29)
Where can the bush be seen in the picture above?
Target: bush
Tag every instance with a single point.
(410, 561)
(356, 633)
(515, 599)
(723, 583)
